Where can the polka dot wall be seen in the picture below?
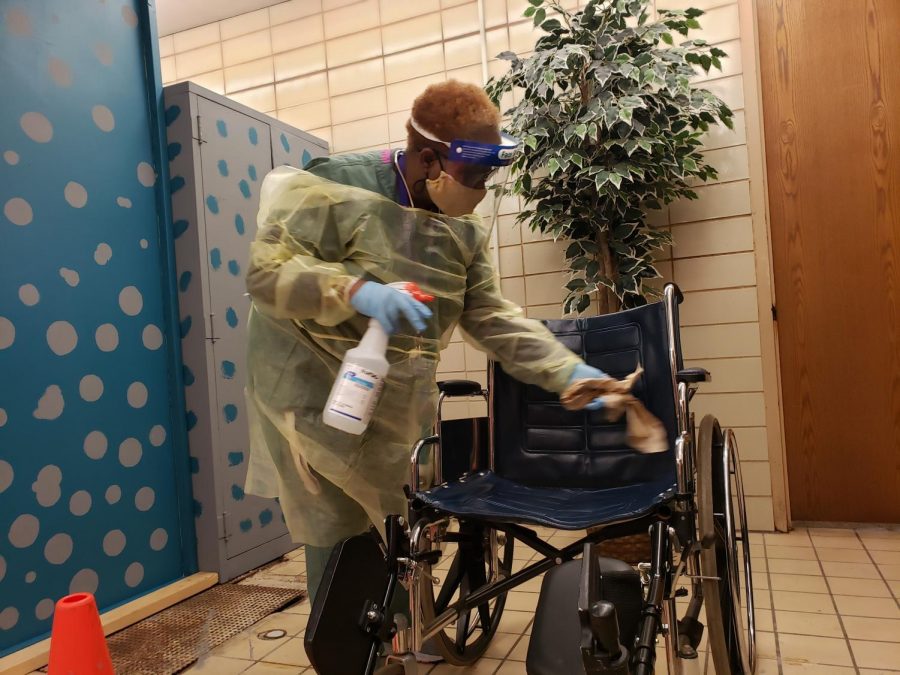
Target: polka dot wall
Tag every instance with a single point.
(215, 221)
(87, 474)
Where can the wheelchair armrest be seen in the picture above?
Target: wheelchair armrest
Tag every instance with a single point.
(693, 375)
(459, 388)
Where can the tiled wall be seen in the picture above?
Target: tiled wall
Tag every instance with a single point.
(348, 71)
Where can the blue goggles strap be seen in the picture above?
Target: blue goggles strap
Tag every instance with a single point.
(473, 152)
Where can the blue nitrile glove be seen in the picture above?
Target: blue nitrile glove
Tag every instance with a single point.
(585, 372)
(386, 305)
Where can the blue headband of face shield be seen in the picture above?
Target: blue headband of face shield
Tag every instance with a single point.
(473, 152)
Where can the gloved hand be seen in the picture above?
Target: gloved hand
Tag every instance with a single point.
(386, 305)
(585, 372)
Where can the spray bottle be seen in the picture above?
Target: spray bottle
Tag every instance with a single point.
(361, 378)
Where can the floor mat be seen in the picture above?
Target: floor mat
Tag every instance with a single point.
(172, 640)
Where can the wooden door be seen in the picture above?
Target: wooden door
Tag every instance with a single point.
(831, 98)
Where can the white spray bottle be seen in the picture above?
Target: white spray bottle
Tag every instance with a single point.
(361, 378)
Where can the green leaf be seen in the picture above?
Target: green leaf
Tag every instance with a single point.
(551, 25)
(616, 180)
(553, 166)
(536, 3)
(625, 115)
(531, 141)
(575, 284)
(573, 250)
(581, 131)
(529, 11)
(539, 16)
(667, 38)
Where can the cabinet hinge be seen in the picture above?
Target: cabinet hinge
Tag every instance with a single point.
(200, 130)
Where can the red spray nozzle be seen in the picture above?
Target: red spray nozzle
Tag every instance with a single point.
(417, 293)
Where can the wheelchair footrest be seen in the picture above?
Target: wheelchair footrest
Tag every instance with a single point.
(690, 633)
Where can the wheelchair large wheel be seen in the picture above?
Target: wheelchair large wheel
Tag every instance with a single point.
(725, 556)
(465, 641)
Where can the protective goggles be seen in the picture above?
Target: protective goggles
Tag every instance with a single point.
(473, 152)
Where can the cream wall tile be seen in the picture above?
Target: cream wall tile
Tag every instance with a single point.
(460, 20)
(710, 237)
(513, 289)
(355, 77)
(166, 46)
(542, 312)
(715, 201)
(261, 98)
(497, 41)
(297, 33)
(414, 63)
(757, 479)
(400, 96)
(515, 9)
(453, 3)
(293, 9)
(511, 261)
(719, 25)
(299, 62)
(732, 64)
(196, 37)
(730, 163)
(412, 33)
(167, 69)
(522, 37)
(469, 75)
(245, 23)
(544, 256)
(509, 204)
(358, 105)
(302, 90)
(720, 271)
(247, 75)
(542, 289)
(753, 444)
(453, 358)
(494, 13)
(352, 48)
(353, 18)
(214, 81)
(760, 514)
(397, 10)
(309, 116)
(508, 232)
(719, 306)
(246, 48)
(720, 136)
(476, 360)
(734, 410)
(731, 375)
(360, 134)
(498, 68)
(325, 134)
(197, 61)
(334, 4)
(710, 342)
(464, 51)
(397, 127)
(705, 5)
(729, 89)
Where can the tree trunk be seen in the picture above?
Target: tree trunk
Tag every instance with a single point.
(608, 301)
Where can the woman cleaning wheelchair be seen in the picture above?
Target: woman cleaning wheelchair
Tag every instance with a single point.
(333, 243)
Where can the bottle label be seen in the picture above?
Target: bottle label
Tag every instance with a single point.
(357, 393)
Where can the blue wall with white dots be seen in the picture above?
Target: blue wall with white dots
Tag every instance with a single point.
(87, 454)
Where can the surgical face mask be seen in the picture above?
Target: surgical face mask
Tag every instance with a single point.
(452, 197)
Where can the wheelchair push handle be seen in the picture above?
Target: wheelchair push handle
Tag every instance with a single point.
(454, 388)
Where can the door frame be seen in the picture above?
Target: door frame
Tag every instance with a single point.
(765, 274)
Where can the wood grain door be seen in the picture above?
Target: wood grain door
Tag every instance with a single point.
(831, 98)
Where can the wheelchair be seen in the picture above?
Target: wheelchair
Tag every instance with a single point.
(531, 468)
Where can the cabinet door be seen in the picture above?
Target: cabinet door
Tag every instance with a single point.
(294, 150)
(236, 155)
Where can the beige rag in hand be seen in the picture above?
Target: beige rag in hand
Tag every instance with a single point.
(645, 433)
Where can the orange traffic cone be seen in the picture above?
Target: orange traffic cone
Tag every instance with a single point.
(77, 643)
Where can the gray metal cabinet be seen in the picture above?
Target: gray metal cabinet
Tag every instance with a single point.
(219, 152)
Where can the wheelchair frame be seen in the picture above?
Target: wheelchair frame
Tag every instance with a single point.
(674, 527)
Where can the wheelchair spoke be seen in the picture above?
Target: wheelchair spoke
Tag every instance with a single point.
(462, 632)
(450, 585)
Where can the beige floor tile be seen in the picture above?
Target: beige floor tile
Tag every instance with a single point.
(885, 608)
(520, 651)
(792, 601)
(247, 646)
(512, 668)
(790, 552)
(294, 624)
(836, 542)
(764, 621)
(761, 581)
(815, 669)
(798, 582)
(515, 622)
(890, 572)
(765, 645)
(870, 671)
(521, 602)
(886, 557)
(781, 566)
(290, 654)
(876, 654)
(814, 649)
(851, 555)
(832, 532)
(274, 669)
(766, 667)
(303, 607)
(762, 600)
(532, 586)
(895, 588)
(878, 532)
(865, 628)
(879, 544)
(219, 665)
(808, 623)
(481, 667)
(796, 538)
(501, 645)
(852, 570)
(870, 588)
(288, 568)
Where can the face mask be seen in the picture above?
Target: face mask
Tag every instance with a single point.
(452, 197)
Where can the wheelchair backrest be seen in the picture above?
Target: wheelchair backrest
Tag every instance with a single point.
(537, 442)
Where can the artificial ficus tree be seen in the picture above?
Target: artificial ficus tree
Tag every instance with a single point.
(612, 126)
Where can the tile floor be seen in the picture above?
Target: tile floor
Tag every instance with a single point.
(828, 603)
